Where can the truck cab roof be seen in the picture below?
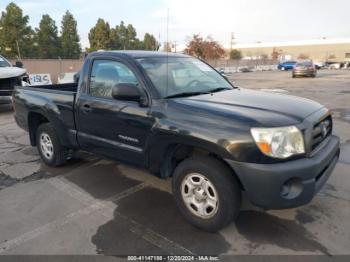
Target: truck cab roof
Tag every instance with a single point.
(135, 54)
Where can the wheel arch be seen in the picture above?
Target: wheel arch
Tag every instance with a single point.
(175, 153)
(35, 120)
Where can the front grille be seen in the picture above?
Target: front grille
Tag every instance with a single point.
(321, 131)
(8, 83)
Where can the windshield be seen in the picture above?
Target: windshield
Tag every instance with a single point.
(182, 75)
(4, 62)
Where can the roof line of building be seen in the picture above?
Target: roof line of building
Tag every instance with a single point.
(322, 41)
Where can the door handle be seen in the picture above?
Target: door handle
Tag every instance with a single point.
(86, 108)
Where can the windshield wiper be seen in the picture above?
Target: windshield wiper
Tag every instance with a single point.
(219, 89)
(185, 94)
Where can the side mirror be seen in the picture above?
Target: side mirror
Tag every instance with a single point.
(19, 64)
(126, 92)
(76, 77)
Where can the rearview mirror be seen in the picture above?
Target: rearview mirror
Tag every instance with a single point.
(126, 92)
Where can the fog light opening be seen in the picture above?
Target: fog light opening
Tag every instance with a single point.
(292, 188)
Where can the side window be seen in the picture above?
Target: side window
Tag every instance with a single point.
(106, 74)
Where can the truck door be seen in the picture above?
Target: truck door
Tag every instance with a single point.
(110, 127)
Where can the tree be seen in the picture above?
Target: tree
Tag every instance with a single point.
(124, 37)
(275, 53)
(195, 46)
(99, 36)
(166, 47)
(70, 41)
(114, 41)
(235, 54)
(204, 48)
(47, 38)
(15, 34)
(150, 42)
(264, 56)
(303, 56)
(127, 35)
(137, 44)
(121, 37)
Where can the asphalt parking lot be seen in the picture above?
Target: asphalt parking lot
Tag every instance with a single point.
(97, 206)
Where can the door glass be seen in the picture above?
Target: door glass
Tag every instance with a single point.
(106, 74)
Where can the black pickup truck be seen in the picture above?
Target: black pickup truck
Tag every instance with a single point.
(178, 117)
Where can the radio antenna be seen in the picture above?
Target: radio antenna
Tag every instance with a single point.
(167, 31)
(167, 52)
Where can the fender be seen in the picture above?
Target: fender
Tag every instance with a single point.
(58, 114)
(161, 146)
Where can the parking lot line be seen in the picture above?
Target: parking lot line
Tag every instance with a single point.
(10, 244)
(145, 233)
(105, 207)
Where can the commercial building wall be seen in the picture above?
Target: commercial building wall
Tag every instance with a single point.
(51, 66)
(316, 52)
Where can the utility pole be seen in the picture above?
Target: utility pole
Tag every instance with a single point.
(232, 41)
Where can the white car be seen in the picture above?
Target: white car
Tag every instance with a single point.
(11, 76)
(65, 78)
(319, 64)
(334, 66)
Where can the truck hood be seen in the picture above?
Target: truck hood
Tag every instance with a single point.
(9, 72)
(255, 108)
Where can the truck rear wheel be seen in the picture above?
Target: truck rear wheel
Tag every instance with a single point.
(206, 193)
(49, 147)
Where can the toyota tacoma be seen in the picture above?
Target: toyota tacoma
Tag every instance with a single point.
(178, 117)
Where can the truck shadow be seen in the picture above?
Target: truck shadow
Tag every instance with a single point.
(145, 222)
(148, 222)
(159, 222)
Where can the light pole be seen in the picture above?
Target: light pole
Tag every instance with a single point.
(231, 41)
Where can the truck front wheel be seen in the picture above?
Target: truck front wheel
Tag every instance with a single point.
(49, 147)
(206, 193)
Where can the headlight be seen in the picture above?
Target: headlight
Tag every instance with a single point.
(281, 142)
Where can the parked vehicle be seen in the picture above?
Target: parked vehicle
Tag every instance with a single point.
(305, 68)
(65, 78)
(334, 65)
(178, 117)
(10, 76)
(287, 65)
(319, 65)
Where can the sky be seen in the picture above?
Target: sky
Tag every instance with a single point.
(251, 21)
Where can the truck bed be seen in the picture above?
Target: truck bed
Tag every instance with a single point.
(71, 87)
(57, 101)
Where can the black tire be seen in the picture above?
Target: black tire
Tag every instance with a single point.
(225, 183)
(60, 153)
